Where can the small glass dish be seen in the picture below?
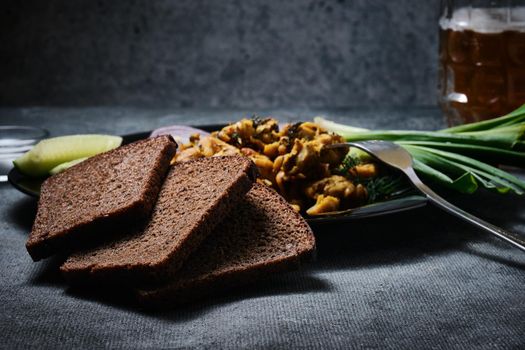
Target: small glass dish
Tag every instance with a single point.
(15, 140)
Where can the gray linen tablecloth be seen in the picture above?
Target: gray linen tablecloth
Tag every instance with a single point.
(418, 279)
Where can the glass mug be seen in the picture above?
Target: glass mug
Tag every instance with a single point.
(481, 59)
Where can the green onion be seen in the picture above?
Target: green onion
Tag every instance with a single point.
(455, 157)
(486, 153)
(513, 118)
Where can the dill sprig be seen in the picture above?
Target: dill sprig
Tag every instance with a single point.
(348, 163)
(385, 187)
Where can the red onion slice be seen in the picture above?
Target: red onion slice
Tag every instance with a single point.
(181, 133)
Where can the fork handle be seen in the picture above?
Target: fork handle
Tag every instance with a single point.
(440, 202)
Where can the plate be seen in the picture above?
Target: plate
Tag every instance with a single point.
(31, 187)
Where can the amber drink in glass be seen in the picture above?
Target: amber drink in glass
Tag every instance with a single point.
(481, 59)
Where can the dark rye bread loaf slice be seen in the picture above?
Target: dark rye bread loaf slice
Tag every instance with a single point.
(262, 235)
(109, 189)
(194, 198)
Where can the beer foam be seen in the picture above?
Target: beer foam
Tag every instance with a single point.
(485, 20)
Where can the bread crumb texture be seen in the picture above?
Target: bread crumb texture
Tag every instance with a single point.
(100, 188)
(187, 206)
(263, 229)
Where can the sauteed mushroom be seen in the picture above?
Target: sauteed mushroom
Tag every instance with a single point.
(293, 159)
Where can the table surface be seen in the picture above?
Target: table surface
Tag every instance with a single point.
(417, 279)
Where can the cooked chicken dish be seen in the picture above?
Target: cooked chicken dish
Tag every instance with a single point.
(293, 159)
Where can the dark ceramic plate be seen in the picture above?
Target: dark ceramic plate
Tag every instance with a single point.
(31, 187)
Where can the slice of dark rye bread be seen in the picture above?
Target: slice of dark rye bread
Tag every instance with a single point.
(194, 198)
(106, 190)
(262, 235)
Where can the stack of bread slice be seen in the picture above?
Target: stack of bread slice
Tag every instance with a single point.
(169, 233)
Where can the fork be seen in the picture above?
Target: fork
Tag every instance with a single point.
(397, 157)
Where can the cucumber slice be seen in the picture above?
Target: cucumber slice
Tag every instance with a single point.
(61, 167)
(54, 151)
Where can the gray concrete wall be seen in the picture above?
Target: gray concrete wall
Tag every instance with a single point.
(212, 53)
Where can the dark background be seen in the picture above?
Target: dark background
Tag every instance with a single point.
(230, 53)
